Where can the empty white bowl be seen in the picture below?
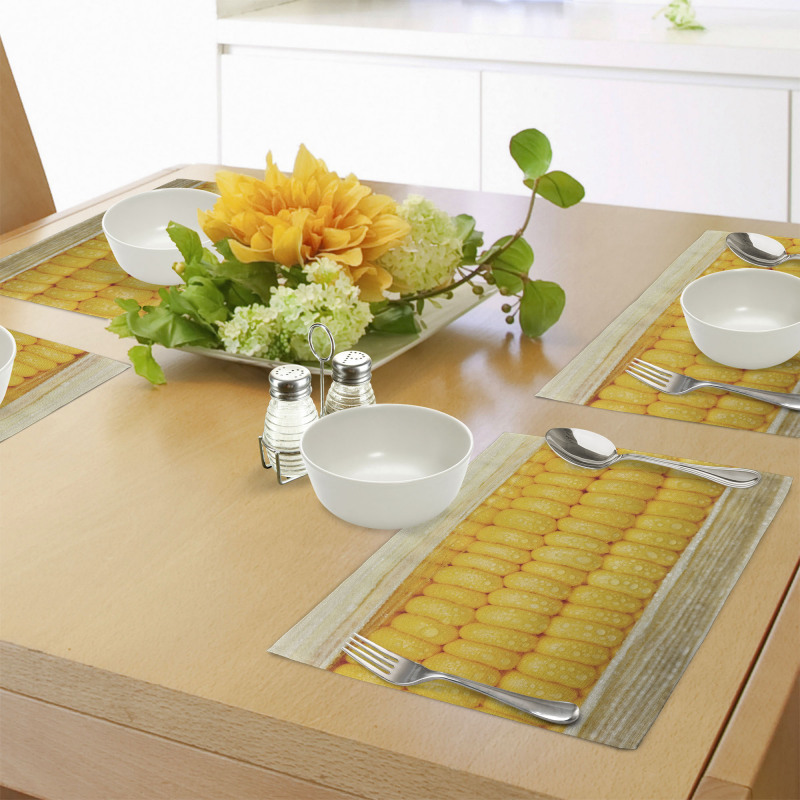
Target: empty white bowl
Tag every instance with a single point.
(8, 352)
(745, 318)
(136, 229)
(386, 466)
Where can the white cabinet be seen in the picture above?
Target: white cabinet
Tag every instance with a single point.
(653, 144)
(381, 121)
(429, 93)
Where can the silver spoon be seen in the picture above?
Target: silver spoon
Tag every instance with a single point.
(763, 251)
(593, 451)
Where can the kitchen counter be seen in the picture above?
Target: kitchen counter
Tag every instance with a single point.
(606, 35)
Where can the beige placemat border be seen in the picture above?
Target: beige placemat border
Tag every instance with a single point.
(580, 380)
(64, 386)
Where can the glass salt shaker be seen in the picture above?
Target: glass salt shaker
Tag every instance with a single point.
(351, 371)
(290, 411)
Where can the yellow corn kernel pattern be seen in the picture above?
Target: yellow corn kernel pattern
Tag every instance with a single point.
(85, 278)
(35, 361)
(538, 598)
(668, 343)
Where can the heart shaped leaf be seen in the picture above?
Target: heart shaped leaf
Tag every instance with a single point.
(532, 152)
(541, 306)
(510, 263)
(561, 189)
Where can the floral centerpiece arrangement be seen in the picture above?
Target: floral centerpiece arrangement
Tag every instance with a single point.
(311, 247)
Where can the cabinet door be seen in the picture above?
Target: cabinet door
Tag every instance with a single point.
(383, 122)
(676, 146)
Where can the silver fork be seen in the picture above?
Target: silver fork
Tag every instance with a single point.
(403, 672)
(664, 380)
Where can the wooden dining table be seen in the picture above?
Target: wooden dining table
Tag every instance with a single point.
(148, 562)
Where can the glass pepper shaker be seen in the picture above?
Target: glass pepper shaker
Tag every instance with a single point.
(290, 411)
(351, 372)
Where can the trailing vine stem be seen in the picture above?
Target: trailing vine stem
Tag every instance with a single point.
(481, 264)
(520, 230)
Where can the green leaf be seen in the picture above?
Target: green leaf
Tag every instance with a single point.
(141, 356)
(242, 284)
(560, 188)
(186, 240)
(294, 276)
(252, 283)
(532, 152)
(119, 324)
(161, 325)
(377, 306)
(223, 247)
(540, 307)
(465, 224)
(200, 299)
(396, 318)
(507, 265)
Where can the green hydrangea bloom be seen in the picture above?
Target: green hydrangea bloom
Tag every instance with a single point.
(254, 331)
(279, 331)
(429, 255)
(322, 270)
(334, 304)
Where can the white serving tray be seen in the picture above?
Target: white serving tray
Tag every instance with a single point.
(381, 347)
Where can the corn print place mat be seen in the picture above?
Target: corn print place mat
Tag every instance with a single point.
(590, 586)
(76, 271)
(47, 375)
(654, 329)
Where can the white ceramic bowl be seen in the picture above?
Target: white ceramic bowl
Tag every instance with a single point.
(745, 318)
(387, 466)
(8, 352)
(136, 229)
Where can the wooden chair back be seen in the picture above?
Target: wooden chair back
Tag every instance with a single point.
(24, 191)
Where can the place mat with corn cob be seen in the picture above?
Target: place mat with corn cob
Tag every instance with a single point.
(590, 586)
(75, 270)
(47, 375)
(654, 329)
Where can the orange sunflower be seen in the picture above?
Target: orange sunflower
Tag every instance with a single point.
(292, 219)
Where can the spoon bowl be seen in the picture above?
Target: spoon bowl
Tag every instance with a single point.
(591, 450)
(754, 248)
(575, 444)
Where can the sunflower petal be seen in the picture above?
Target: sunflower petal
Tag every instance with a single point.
(286, 242)
(372, 283)
(246, 254)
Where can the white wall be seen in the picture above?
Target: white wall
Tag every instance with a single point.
(114, 89)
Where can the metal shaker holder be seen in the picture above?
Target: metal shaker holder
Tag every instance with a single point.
(275, 455)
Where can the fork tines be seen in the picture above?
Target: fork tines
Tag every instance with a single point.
(648, 373)
(368, 654)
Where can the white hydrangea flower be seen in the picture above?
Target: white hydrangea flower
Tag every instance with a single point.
(324, 270)
(429, 255)
(336, 305)
(280, 331)
(253, 331)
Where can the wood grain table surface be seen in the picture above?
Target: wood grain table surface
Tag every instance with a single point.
(148, 562)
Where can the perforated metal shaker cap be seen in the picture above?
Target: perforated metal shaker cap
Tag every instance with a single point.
(351, 367)
(289, 382)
